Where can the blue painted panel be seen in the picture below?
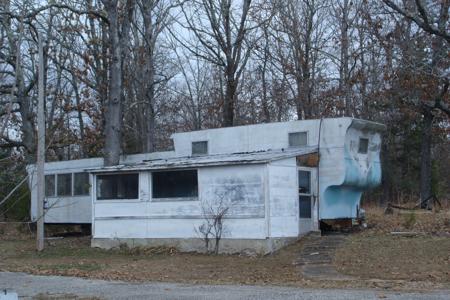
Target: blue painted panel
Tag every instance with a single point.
(341, 198)
(340, 202)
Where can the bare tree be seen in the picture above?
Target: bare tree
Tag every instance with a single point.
(119, 21)
(223, 33)
(431, 96)
(214, 212)
(301, 33)
(155, 18)
(427, 19)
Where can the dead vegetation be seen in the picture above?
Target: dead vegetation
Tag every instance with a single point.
(388, 257)
(374, 257)
(73, 256)
(409, 245)
(420, 221)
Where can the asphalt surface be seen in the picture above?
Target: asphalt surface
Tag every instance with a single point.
(29, 286)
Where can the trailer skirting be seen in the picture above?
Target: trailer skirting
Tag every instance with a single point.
(227, 246)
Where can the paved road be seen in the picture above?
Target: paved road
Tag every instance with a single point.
(28, 286)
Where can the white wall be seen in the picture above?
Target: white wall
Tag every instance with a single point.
(245, 138)
(283, 195)
(149, 218)
(333, 171)
(75, 209)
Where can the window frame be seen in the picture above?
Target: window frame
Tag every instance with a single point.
(366, 148)
(57, 185)
(298, 132)
(88, 182)
(197, 142)
(172, 199)
(309, 194)
(116, 200)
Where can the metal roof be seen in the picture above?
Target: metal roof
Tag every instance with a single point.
(208, 160)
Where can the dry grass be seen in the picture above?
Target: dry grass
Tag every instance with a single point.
(418, 262)
(419, 258)
(376, 253)
(74, 257)
(429, 222)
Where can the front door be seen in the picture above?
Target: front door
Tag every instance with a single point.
(305, 200)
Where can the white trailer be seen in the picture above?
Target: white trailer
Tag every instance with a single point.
(278, 179)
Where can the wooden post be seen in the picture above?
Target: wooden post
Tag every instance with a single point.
(40, 150)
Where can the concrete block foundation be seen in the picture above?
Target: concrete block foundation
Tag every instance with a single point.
(227, 246)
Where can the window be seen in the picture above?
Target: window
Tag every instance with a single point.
(175, 184)
(298, 139)
(305, 206)
(50, 185)
(304, 182)
(117, 187)
(200, 148)
(81, 184)
(304, 190)
(64, 183)
(363, 145)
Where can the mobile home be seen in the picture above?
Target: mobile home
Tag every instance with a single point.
(277, 181)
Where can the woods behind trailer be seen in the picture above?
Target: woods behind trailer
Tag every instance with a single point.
(277, 180)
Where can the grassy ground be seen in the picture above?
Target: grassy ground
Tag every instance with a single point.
(405, 245)
(73, 256)
(419, 258)
(371, 256)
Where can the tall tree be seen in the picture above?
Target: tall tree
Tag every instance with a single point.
(221, 27)
(120, 15)
(426, 74)
(301, 25)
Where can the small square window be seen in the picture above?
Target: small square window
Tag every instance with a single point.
(64, 184)
(50, 185)
(298, 139)
(363, 145)
(200, 148)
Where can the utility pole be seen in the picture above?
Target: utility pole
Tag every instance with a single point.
(40, 150)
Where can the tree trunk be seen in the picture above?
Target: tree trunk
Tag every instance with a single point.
(149, 78)
(229, 101)
(79, 115)
(113, 107)
(299, 104)
(264, 100)
(344, 71)
(26, 113)
(425, 157)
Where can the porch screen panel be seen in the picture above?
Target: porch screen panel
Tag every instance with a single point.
(305, 206)
(175, 184)
(118, 186)
(50, 185)
(304, 182)
(81, 184)
(64, 184)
